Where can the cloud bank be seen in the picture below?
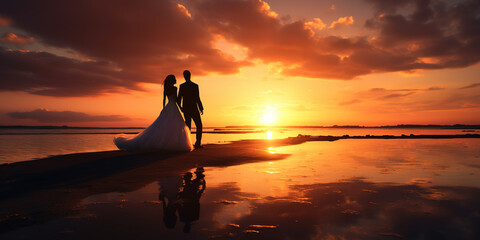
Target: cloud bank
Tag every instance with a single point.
(125, 43)
(128, 42)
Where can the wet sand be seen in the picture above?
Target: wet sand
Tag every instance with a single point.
(40, 191)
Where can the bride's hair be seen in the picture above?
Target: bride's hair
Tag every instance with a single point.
(169, 80)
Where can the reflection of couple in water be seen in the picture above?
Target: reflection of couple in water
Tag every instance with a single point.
(185, 200)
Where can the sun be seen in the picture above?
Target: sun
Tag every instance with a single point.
(268, 118)
(266, 115)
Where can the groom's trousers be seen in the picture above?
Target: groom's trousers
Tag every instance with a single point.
(195, 115)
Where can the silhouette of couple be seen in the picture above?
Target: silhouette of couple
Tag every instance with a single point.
(170, 131)
(186, 201)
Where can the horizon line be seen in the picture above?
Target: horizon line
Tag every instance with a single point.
(457, 125)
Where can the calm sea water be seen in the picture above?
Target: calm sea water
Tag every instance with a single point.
(26, 144)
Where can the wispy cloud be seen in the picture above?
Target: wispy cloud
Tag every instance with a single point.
(411, 100)
(349, 102)
(272, 107)
(46, 116)
(474, 85)
(434, 88)
(395, 95)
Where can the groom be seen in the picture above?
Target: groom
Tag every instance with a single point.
(192, 106)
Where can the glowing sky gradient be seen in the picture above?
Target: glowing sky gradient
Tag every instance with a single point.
(277, 62)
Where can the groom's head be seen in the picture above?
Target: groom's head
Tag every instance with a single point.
(186, 75)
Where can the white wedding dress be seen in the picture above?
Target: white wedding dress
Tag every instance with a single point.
(167, 133)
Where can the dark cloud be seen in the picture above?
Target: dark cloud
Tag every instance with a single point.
(46, 116)
(434, 34)
(388, 6)
(143, 41)
(43, 73)
(126, 32)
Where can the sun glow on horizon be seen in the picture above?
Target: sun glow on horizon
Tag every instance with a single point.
(268, 118)
(268, 115)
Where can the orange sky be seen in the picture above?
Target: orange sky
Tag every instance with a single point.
(277, 62)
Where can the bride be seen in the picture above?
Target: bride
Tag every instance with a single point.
(167, 133)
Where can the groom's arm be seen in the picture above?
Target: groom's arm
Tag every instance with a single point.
(199, 102)
(179, 98)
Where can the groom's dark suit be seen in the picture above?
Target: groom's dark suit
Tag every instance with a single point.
(191, 106)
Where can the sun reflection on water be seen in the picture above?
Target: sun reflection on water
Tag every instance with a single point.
(272, 150)
(269, 135)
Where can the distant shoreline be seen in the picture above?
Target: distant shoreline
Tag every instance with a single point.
(403, 136)
(399, 126)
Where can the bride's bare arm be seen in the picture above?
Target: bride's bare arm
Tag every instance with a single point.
(164, 96)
